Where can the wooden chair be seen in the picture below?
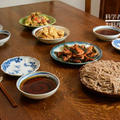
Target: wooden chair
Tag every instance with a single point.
(105, 7)
(88, 6)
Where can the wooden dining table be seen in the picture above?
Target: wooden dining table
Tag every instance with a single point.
(72, 101)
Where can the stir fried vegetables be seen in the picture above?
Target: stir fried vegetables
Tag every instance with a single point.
(77, 53)
(35, 19)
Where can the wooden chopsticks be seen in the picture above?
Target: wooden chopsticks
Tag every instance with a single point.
(11, 100)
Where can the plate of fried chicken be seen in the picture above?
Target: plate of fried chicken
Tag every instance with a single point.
(76, 53)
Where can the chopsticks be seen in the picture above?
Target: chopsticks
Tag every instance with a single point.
(11, 100)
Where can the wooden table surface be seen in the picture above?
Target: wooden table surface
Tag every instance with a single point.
(72, 101)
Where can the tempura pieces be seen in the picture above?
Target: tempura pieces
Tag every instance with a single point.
(35, 19)
(77, 53)
(50, 32)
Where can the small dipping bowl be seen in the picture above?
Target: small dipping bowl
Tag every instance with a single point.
(106, 37)
(4, 36)
(22, 80)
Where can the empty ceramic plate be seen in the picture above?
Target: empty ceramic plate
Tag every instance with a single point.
(21, 65)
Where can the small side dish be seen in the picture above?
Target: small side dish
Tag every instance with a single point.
(36, 19)
(51, 34)
(102, 76)
(106, 33)
(76, 53)
(38, 85)
(4, 36)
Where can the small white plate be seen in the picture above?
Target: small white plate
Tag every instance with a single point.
(21, 65)
(116, 43)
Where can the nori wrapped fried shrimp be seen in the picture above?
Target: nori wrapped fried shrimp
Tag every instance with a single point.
(77, 53)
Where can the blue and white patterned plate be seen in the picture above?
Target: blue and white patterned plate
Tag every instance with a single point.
(21, 65)
(116, 44)
(59, 48)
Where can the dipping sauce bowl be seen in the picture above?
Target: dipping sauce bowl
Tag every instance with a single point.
(4, 36)
(106, 33)
(38, 85)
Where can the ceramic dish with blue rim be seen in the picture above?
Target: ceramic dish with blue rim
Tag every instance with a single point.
(5, 39)
(41, 87)
(60, 48)
(116, 44)
(20, 65)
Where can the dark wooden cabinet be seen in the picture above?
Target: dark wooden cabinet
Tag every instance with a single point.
(109, 7)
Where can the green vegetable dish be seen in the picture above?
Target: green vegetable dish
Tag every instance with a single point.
(37, 19)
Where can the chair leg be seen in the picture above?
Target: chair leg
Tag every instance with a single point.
(88, 6)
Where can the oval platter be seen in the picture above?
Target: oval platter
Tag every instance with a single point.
(59, 48)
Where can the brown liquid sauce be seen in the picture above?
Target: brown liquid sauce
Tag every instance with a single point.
(38, 85)
(107, 32)
(2, 36)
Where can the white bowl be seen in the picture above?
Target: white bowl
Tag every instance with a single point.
(52, 41)
(36, 74)
(3, 41)
(106, 37)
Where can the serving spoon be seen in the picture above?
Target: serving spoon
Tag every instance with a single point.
(11, 100)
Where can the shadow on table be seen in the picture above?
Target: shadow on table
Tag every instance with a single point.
(9, 77)
(66, 65)
(26, 33)
(26, 100)
(46, 103)
(3, 47)
(99, 97)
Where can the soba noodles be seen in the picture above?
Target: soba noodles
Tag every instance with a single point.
(102, 76)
